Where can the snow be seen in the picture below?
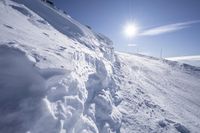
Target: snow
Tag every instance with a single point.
(159, 95)
(58, 76)
(191, 60)
(44, 70)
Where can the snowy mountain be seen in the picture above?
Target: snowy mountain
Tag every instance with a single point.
(159, 95)
(58, 76)
(192, 60)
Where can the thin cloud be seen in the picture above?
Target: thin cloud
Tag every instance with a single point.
(168, 28)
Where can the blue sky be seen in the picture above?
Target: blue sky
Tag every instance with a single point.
(170, 25)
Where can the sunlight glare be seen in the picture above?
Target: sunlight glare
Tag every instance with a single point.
(131, 30)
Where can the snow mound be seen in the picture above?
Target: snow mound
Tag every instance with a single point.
(53, 73)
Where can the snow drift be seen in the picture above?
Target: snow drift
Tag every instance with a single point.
(58, 76)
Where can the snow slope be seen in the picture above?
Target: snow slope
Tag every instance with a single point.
(50, 80)
(58, 76)
(159, 95)
(192, 60)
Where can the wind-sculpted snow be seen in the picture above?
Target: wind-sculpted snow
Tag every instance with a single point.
(23, 91)
(66, 25)
(54, 79)
(52, 100)
(57, 76)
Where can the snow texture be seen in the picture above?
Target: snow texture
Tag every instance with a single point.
(58, 76)
(159, 95)
(55, 74)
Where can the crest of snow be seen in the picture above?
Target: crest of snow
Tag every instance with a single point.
(191, 60)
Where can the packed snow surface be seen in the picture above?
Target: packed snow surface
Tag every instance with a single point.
(159, 95)
(58, 76)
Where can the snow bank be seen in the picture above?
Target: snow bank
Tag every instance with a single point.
(70, 27)
(22, 89)
(51, 100)
(56, 75)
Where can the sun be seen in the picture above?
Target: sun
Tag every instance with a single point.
(130, 30)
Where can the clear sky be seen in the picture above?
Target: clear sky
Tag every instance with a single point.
(170, 25)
